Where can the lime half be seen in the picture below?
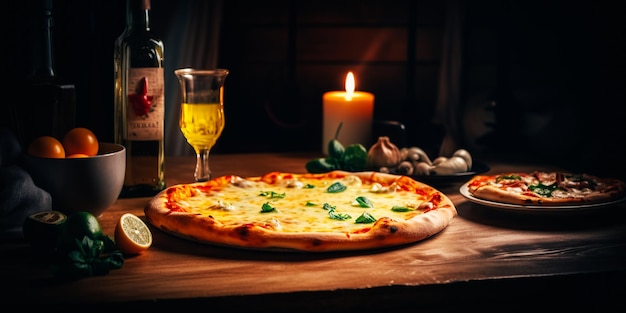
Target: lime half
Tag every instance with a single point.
(42, 229)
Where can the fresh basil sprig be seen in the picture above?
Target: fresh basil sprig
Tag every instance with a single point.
(339, 216)
(88, 257)
(332, 213)
(352, 158)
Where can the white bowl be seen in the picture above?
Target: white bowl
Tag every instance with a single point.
(81, 184)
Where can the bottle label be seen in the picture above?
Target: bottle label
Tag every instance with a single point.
(145, 114)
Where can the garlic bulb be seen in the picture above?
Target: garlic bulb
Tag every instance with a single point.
(449, 166)
(383, 154)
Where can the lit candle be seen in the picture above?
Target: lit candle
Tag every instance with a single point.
(354, 109)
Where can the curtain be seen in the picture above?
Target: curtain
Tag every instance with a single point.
(192, 40)
(448, 108)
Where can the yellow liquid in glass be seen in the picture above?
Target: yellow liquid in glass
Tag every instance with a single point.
(202, 123)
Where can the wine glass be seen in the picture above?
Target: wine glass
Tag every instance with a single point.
(202, 113)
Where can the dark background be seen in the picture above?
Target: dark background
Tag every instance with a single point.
(540, 81)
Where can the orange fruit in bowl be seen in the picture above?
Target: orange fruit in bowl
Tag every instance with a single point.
(80, 140)
(132, 235)
(46, 147)
(77, 155)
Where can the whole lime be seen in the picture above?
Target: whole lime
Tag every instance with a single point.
(77, 226)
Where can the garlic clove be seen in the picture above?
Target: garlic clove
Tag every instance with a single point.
(405, 168)
(421, 168)
(450, 166)
(404, 154)
(439, 160)
(466, 156)
(417, 154)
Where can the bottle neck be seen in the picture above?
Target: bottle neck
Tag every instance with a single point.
(41, 36)
(138, 14)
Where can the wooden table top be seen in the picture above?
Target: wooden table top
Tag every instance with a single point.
(484, 258)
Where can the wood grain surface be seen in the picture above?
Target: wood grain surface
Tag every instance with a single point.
(485, 258)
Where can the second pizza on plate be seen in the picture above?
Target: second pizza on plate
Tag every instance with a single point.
(546, 188)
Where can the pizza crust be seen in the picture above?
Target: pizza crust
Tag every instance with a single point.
(498, 195)
(385, 232)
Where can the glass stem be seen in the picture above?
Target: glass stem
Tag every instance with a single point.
(203, 172)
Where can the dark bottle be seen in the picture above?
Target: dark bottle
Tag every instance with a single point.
(139, 104)
(42, 104)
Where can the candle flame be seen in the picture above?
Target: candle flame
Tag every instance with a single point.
(350, 84)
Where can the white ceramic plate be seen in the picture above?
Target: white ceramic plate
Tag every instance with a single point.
(580, 208)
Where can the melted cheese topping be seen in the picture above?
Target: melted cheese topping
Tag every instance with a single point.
(571, 193)
(303, 205)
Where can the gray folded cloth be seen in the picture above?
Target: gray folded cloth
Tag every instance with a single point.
(19, 196)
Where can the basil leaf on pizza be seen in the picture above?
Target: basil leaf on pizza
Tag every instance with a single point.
(364, 202)
(365, 218)
(311, 212)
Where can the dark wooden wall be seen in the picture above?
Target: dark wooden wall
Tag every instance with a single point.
(285, 55)
(553, 69)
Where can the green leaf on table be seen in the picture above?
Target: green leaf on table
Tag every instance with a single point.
(354, 158)
(87, 259)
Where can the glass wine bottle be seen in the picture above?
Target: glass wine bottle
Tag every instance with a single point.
(139, 102)
(42, 104)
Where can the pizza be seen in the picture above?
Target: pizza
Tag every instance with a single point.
(546, 188)
(334, 211)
